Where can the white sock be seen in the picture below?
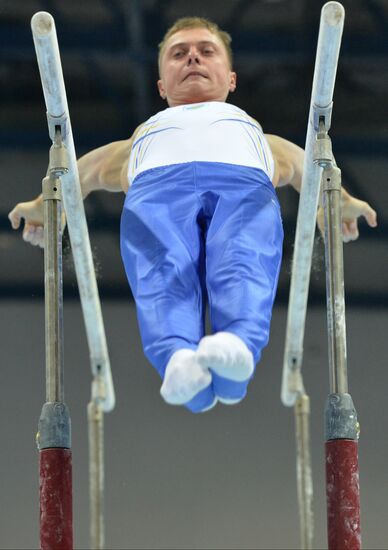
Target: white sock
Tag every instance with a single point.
(184, 378)
(227, 355)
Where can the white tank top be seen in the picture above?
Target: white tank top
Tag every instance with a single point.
(213, 131)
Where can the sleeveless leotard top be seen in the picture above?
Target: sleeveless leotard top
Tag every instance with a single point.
(213, 131)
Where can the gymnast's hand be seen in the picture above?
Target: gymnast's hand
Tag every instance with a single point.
(352, 209)
(32, 213)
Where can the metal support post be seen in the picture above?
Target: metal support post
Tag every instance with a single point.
(58, 117)
(54, 437)
(292, 391)
(303, 469)
(96, 473)
(341, 426)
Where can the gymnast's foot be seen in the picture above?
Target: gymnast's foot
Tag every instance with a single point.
(227, 355)
(184, 378)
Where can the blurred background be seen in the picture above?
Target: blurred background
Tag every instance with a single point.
(225, 479)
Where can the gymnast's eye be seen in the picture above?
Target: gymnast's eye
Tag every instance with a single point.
(177, 54)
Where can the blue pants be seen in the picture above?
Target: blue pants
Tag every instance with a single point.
(198, 232)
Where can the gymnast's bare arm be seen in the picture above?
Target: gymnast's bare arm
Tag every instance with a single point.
(102, 168)
(289, 160)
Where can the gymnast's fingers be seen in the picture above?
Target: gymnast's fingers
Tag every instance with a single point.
(33, 234)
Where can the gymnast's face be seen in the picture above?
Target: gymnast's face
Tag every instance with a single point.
(194, 67)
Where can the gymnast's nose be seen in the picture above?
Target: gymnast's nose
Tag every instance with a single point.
(193, 56)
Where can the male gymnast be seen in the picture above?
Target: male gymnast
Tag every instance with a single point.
(201, 222)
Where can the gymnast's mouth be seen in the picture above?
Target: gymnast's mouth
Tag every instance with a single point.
(194, 73)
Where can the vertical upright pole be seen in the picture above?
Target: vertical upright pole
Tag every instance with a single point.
(50, 68)
(54, 439)
(293, 392)
(96, 474)
(341, 426)
(303, 471)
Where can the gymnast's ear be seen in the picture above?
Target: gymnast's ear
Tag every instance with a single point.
(233, 81)
(161, 89)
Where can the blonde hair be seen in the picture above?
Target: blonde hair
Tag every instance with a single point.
(197, 23)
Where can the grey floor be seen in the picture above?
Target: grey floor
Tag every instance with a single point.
(224, 479)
